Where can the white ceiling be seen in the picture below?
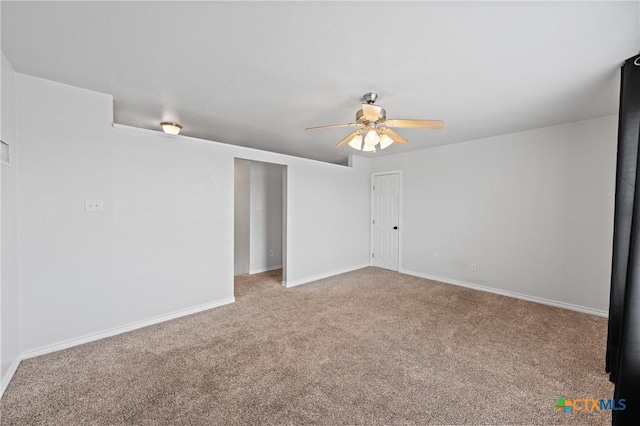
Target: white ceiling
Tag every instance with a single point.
(256, 74)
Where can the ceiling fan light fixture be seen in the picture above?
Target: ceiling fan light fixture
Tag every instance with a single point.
(170, 128)
(356, 142)
(372, 138)
(385, 141)
(375, 130)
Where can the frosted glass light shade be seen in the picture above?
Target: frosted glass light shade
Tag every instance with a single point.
(369, 148)
(372, 138)
(356, 142)
(385, 141)
(171, 128)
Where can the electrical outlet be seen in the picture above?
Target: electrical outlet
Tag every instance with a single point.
(93, 206)
(474, 267)
(435, 255)
(270, 253)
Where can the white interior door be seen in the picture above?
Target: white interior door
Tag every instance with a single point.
(385, 220)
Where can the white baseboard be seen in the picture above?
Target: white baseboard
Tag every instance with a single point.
(265, 269)
(4, 383)
(119, 330)
(289, 284)
(535, 299)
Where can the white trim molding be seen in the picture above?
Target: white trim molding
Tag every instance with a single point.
(4, 383)
(126, 328)
(264, 269)
(526, 297)
(289, 284)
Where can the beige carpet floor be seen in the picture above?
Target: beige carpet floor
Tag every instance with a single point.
(369, 347)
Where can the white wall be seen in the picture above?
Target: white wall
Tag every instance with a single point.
(9, 318)
(533, 210)
(266, 217)
(241, 221)
(164, 242)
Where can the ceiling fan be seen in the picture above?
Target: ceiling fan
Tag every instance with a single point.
(375, 129)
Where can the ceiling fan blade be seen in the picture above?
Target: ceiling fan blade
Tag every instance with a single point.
(371, 112)
(397, 138)
(331, 126)
(426, 124)
(348, 138)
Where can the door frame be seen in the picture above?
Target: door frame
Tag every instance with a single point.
(400, 226)
(285, 213)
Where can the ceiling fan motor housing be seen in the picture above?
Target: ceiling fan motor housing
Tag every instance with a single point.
(382, 116)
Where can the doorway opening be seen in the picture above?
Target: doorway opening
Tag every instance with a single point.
(386, 214)
(260, 207)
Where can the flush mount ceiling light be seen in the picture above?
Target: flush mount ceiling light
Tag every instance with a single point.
(171, 128)
(375, 129)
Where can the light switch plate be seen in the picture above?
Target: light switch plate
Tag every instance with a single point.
(93, 206)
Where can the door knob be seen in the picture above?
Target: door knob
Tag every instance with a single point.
(395, 227)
